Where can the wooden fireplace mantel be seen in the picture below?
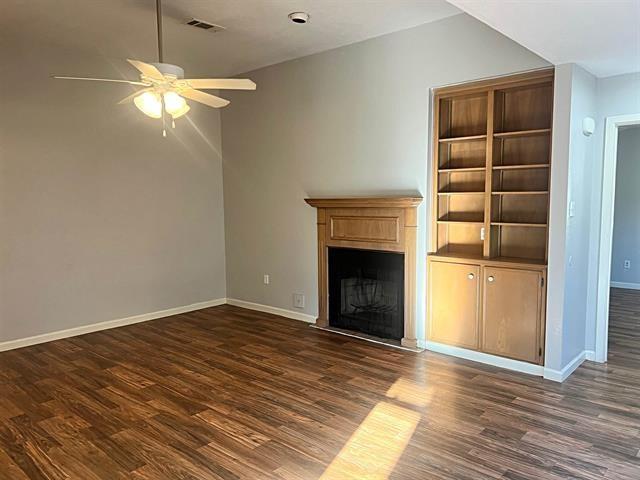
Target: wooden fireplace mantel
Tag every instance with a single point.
(369, 223)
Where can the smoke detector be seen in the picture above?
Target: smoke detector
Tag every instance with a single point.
(299, 17)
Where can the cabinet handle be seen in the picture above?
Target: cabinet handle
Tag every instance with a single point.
(471, 276)
(490, 278)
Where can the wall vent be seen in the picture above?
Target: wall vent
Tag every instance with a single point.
(194, 22)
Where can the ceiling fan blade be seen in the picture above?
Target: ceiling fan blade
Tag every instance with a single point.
(146, 69)
(207, 99)
(221, 83)
(130, 82)
(129, 98)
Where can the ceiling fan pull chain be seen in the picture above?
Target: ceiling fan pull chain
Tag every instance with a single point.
(162, 112)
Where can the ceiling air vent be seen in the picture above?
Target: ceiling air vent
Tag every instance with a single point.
(194, 22)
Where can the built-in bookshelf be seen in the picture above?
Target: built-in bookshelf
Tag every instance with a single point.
(492, 160)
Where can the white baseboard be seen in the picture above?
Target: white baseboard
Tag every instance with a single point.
(487, 358)
(562, 375)
(627, 285)
(590, 355)
(303, 317)
(95, 327)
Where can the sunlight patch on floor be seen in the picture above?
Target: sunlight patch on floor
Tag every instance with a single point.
(376, 446)
(408, 391)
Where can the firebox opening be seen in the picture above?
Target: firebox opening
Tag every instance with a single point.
(366, 292)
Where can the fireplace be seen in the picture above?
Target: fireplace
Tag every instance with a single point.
(366, 292)
(367, 265)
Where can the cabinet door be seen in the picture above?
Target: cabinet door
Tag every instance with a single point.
(512, 313)
(453, 302)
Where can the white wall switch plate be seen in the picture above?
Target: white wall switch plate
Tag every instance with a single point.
(627, 264)
(572, 209)
(298, 300)
(266, 280)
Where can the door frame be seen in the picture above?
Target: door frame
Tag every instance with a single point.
(612, 124)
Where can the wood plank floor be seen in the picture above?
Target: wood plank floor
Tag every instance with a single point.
(226, 393)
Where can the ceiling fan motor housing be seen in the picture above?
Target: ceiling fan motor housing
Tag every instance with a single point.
(169, 69)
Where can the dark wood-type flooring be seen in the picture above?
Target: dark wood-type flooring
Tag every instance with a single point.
(227, 393)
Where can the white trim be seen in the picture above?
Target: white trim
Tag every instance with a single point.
(303, 317)
(367, 339)
(96, 327)
(590, 355)
(627, 285)
(606, 228)
(562, 375)
(487, 358)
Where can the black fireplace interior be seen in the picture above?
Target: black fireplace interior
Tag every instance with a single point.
(366, 291)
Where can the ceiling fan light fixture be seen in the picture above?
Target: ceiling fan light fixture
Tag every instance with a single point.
(149, 103)
(181, 112)
(175, 105)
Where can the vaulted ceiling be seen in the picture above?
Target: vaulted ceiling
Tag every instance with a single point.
(258, 32)
(602, 36)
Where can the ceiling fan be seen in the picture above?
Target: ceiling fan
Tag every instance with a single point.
(165, 88)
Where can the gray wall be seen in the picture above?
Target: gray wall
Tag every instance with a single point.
(101, 218)
(352, 121)
(583, 104)
(619, 95)
(626, 224)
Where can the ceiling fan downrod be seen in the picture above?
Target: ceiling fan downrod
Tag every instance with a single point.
(159, 25)
(161, 59)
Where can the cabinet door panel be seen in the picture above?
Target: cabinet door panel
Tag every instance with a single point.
(453, 303)
(512, 313)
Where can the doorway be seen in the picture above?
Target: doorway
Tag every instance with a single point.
(615, 127)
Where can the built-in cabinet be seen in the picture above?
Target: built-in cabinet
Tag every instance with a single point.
(490, 209)
(512, 313)
(454, 297)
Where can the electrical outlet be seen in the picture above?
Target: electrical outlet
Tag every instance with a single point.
(266, 280)
(627, 264)
(298, 300)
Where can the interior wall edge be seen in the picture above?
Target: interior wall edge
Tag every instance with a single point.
(486, 358)
(303, 317)
(96, 327)
(561, 375)
(627, 285)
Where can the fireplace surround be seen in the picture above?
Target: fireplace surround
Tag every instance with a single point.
(370, 224)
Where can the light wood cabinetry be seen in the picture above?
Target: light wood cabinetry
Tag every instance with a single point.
(512, 313)
(490, 209)
(454, 300)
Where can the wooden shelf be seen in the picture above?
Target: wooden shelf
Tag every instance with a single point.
(519, 224)
(527, 192)
(521, 166)
(492, 162)
(479, 258)
(462, 169)
(459, 222)
(470, 138)
(523, 133)
(463, 217)
(460, 193)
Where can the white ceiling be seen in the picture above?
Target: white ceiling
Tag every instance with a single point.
(602, 36)
(258, 32)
